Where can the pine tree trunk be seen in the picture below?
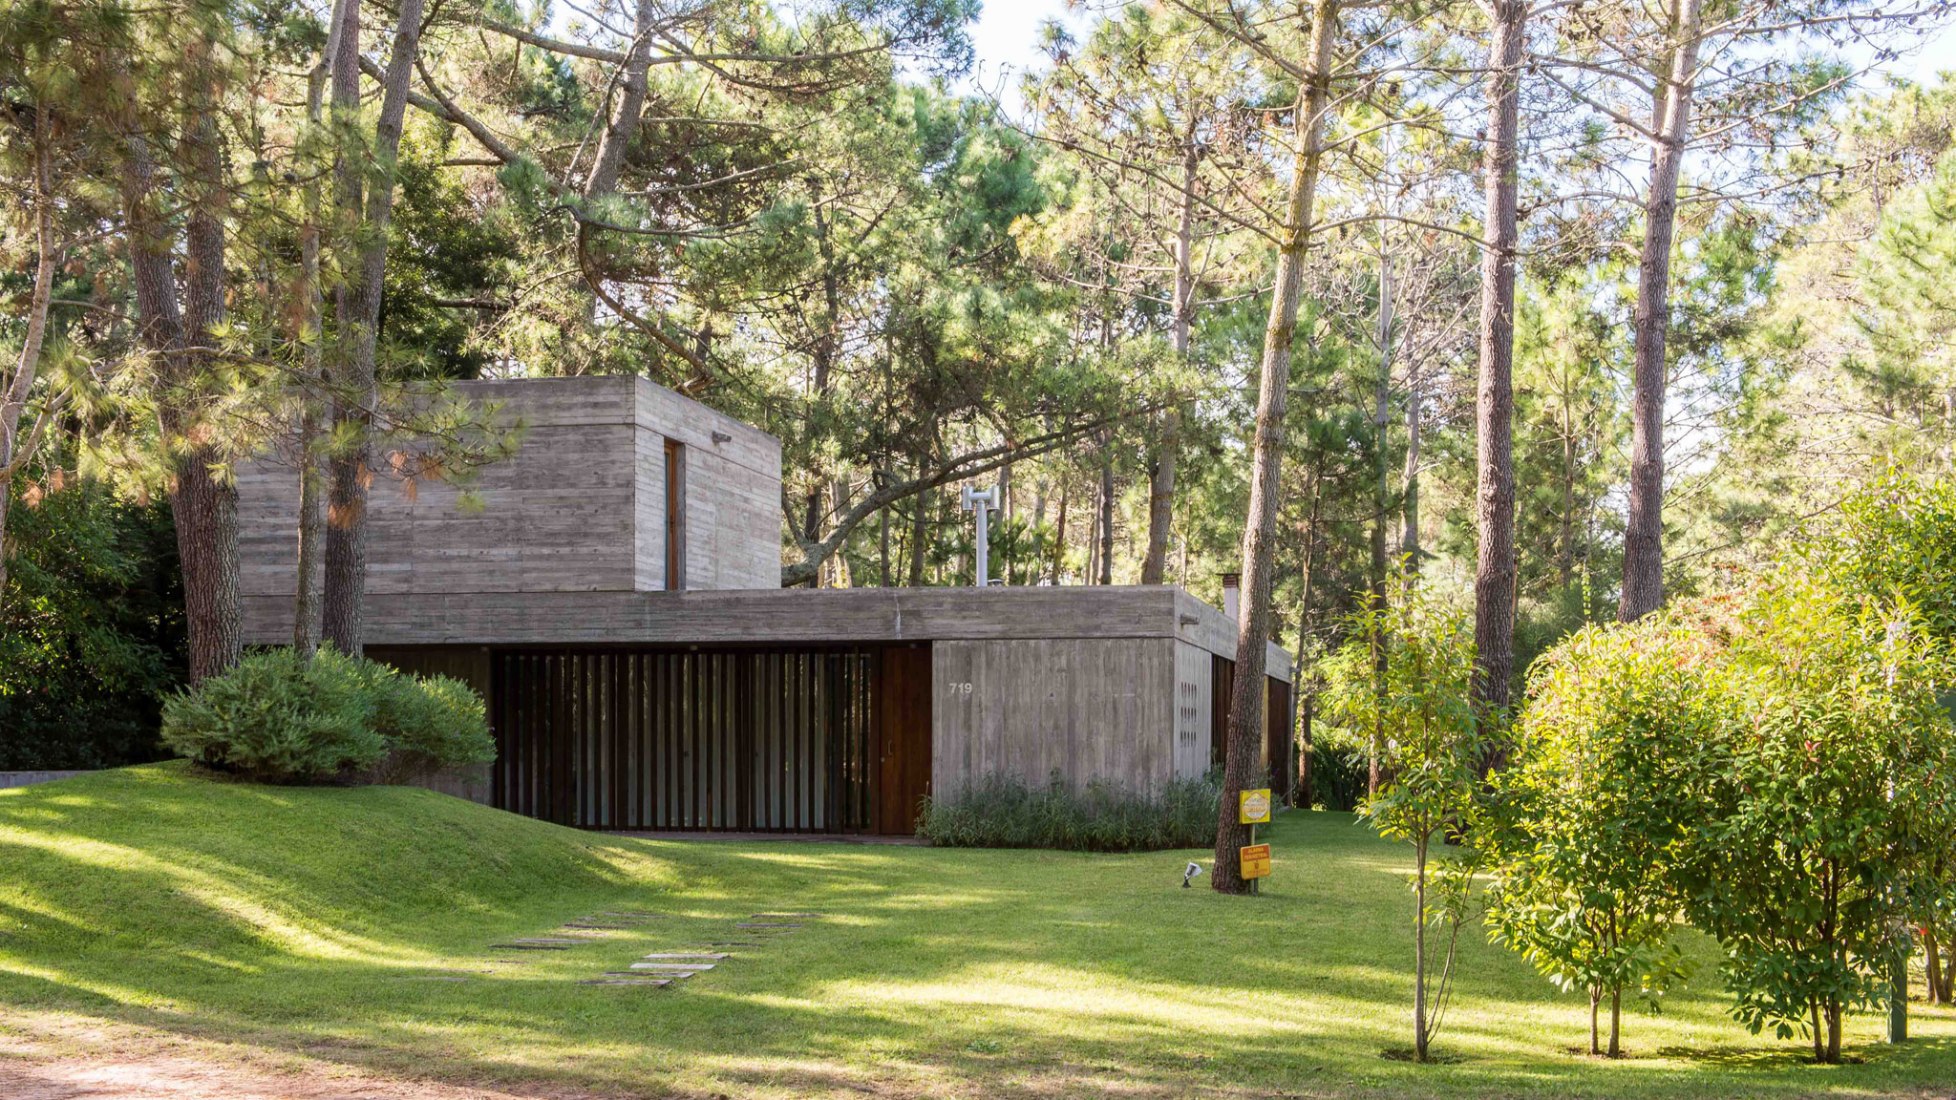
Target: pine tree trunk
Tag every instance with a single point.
(355, 381)
(919, 534)
(311, 309)
(1168, 441)
(1105, 523)
(1409, 482)
(623, 124)
(1643, 534)
(15, 450)
(203, 505)
(1376, 594)
(1059, 538)
(1245, 726)
(1494, 569)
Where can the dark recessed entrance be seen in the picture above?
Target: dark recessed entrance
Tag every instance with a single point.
(833, 739)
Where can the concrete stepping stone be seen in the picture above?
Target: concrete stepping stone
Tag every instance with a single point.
(732, 943)
(688, 967)
(685, 955)
(766, 924)
(653, 982)
(581, 926)
(569, 941)
(529, 947)
(786, 916)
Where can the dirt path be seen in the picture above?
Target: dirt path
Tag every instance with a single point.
(70, 1058)
(167, 1077)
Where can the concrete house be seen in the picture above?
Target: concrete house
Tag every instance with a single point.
(616, 600)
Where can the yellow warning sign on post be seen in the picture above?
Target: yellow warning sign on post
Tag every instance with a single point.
(1254, 860)
(1253, 807)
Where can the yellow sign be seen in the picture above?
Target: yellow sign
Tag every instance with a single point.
(1253, 807)
(1254, 859)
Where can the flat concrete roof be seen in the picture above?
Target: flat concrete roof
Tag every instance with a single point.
(795, 616)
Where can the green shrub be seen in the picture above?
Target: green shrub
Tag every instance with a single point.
(1002, 811)
(429, 724)
(1339, 769)
(281, 719)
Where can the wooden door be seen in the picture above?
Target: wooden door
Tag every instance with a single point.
(903, 741)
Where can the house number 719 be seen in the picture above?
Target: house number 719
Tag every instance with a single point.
(963, 688)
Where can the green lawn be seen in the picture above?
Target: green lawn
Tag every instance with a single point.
(308, 921)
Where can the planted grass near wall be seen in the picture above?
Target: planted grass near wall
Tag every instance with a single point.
(1005, 812)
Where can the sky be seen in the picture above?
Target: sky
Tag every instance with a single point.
(1006, 39)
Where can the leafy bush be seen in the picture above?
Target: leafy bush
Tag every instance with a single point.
(279, 718)
(1001, 811)
(429, 724)
(1339, 769)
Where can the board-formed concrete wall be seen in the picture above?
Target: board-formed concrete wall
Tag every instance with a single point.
(1194, 688)
(579, 507)
(1087, 708)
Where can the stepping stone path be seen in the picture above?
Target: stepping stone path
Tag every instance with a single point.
(661, 968)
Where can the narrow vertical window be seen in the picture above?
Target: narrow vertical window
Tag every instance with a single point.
(675, 516)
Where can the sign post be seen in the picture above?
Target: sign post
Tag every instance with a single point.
(1253, 859)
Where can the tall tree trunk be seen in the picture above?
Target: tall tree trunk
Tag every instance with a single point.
(1104, 522)
(1643, 534)
(1161, 484)
(370, 204)
(883, 547)
(16, 449)
(1059, 538)
(1409, 481)
(1494, 568)
(1246, 702)
(203, 506)
(1376, 588)
(1565, 555)
(623, 123)
(311, 311)
(919, 535)
(1307, 584)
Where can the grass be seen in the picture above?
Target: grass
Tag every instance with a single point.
(308, 920)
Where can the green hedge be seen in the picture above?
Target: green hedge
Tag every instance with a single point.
(1006, 812)
(279, 718)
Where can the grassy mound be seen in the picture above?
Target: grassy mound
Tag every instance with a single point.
(170, 858)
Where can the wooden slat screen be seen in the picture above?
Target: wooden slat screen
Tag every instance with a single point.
(745, 740)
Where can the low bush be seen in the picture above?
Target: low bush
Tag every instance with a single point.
(1339, 769)
(279, 718)
(1002, 811)
(429, 723)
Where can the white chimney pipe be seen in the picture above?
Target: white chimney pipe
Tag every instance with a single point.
(1233, 597)
(980, 501)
